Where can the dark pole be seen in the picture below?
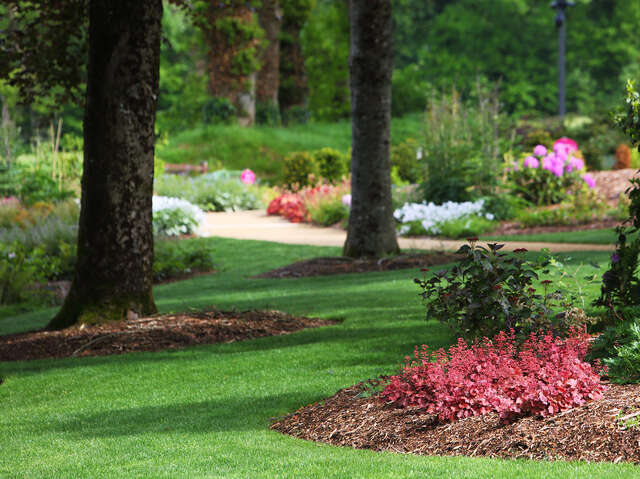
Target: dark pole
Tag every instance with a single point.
(561, 21)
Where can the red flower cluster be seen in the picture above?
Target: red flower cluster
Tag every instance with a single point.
(290, 206)
(545, 376)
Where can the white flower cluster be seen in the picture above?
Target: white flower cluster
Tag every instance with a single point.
(175, 216)
(431, 216)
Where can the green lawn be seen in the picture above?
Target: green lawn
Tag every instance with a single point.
(205, 411)
(601, 236)
(262, 147)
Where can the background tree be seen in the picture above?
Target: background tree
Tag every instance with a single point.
(234, 41)
(293, 87)
(371, 230)
(325, 44)
(268, 77)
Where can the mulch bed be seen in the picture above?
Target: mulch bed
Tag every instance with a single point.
(340, 265)
(162, 332)
(514, 228)
(590, 432)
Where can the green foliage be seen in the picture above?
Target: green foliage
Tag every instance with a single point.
(403, 156)
(466, 227)
(176, 258)
(299, 169)
(218, 111)
(328, 213)
(325, 45)
(332, 164)
(576, 209)
(15, 273)
(619, 348)
(183, 100)
(174, 222)
(267, 114)
(215, 191)
(629, 118)
(489, 291)
(514, 40)
(409, 90)
(621, 284)
(463, 146)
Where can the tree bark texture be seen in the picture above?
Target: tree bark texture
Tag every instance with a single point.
(232, 57)
(371, 231)
(293, 89)
(113, 276)
(268, 78)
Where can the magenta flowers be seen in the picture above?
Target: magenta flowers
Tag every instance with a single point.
(532, 161)
(589, 180)
(547, 176)
(248, 177)
(540, 150)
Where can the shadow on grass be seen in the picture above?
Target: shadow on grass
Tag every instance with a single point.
(241, 413)
(389, 338)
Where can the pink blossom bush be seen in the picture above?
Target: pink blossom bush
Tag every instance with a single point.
(323, 204)
(546, 177)
(248, 177)
(546, 375)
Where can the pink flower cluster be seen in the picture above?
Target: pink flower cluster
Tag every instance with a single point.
(248, 177)
(560, 161)
(543, 377)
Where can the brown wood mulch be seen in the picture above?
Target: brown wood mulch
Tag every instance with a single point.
(514, 228)
(162, 332)
(323, 266)
(600, 430)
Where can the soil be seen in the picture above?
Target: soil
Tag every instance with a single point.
(156, 333)
(600, 430)
(340, 265)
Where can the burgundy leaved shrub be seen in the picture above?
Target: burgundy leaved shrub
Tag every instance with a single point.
(544, 376)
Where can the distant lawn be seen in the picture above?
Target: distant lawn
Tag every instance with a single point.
(602, 236)
(205, 411)
(261, 148)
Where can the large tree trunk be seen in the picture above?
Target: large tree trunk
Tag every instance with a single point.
(371, 229)
(270, 17)
(113, 276)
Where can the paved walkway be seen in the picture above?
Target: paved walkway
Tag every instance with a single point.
(257, 225)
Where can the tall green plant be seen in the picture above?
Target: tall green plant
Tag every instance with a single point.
(621, 284)
(463, 142)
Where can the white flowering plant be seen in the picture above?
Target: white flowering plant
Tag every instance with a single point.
(175, 216)
(449, 219)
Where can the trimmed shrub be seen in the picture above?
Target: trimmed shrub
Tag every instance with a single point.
(404, 158)
(332, 165)
(545, 376)
(299, 169)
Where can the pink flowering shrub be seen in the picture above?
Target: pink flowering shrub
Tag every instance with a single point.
(290, 206)
(248, 177)
(546, 375)
(547, 177)
(322, 204)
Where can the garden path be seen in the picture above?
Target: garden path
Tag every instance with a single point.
(257, 225)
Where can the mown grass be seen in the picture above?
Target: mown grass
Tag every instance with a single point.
(262, 148)
(205, 411)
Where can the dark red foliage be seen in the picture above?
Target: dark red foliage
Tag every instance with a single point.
(543, 377)
(290, 206)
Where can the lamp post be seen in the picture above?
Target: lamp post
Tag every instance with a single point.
(561, 6)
